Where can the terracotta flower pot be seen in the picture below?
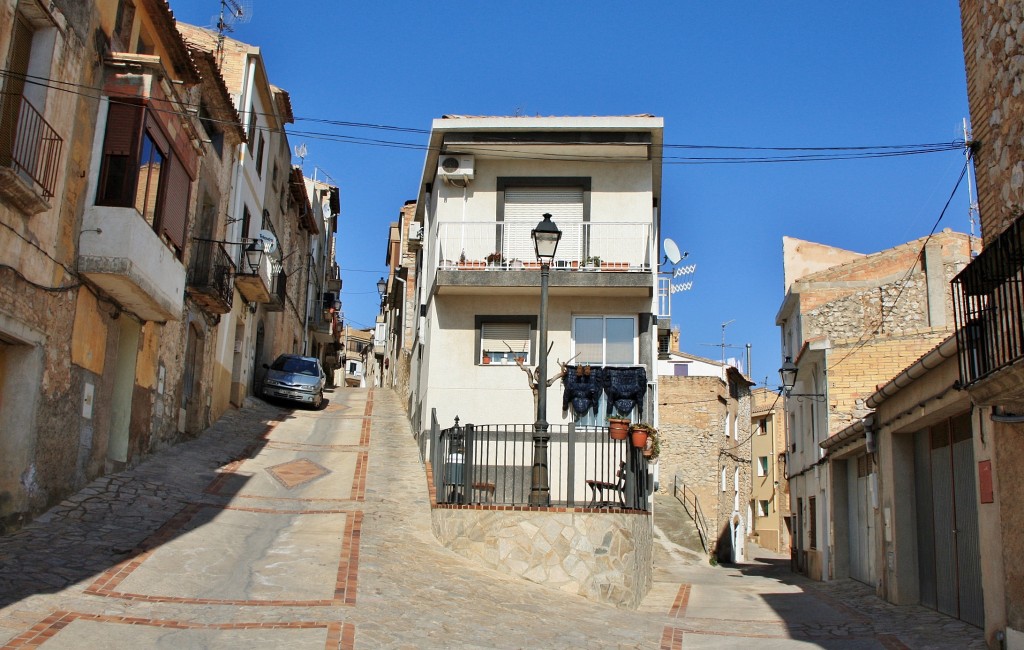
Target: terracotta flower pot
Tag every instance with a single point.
(639, 437)
(618, 428)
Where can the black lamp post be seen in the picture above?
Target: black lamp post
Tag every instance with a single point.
(254, 256)
(545, 243)
(382, 287)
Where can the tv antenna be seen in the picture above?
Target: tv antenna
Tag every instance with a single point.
(300, 153)
(231, 12)
(723, 344)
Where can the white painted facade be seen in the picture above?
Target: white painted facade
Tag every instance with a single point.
(621, 204)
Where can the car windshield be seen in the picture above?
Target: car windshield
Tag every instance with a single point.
(295, 365)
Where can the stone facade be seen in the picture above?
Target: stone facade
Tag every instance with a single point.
(606, 557)
(994, 58)
(849, 322)
(704, 426)
(993, 41)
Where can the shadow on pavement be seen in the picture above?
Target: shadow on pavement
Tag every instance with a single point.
(119, 516)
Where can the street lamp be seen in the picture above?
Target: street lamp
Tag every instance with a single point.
(382, 287)
(787, 373)
(254, 256)
(545, 243)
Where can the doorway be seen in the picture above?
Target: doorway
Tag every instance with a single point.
(949, 556)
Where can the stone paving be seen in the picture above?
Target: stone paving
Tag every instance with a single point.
(295, 529)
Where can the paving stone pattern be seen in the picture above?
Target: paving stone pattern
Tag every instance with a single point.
(312, 529)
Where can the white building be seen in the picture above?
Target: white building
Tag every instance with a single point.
(486, 184)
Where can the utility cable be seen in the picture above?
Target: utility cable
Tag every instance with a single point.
(863, 340)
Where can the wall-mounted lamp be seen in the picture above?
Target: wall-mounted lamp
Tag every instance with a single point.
(787, 373)
(382, 288)
(254, 255)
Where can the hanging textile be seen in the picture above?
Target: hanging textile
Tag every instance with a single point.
(582, 387)
(625, 387)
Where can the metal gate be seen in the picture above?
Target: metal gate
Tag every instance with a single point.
(949, 560)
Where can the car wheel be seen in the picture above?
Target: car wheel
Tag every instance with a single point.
(319, 400)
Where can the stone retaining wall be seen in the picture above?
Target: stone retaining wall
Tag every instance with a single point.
(603, 556)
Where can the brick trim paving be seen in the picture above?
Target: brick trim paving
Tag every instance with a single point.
(340, 636)
(345, 585)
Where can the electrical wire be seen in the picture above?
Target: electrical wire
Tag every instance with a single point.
(819, 154)
(863, 340)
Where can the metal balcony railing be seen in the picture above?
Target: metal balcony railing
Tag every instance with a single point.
(32, 148)
(492, 465)
(507, 246)
(211, 271)
(988, 297)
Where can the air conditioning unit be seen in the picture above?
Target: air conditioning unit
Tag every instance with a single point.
(415, 231)
(450, 166)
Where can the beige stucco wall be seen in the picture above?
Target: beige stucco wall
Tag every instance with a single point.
(606, 557)
(460, 386)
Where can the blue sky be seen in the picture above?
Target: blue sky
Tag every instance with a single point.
(782, 74)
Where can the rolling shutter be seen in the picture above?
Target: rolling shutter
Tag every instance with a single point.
(495, 336)
(524, 209)
(174, 219)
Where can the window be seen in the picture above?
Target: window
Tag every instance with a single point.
(522, 203)
(762, 466)
(259, 157)
(250, 133)
(604, 341)
(27, 142)
(214, 132)
(728, 423)
(149, 186)
(123, 26)
(140, 170)
(762, 507)
(762, 426)
(812, 522)
(503, 343)
(723, 479)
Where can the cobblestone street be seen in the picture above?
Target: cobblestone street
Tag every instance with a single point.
(311, 529)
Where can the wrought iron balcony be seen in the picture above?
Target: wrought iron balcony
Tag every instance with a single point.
(278, 294)
(989, 301)
(492, 465)
(30, 148)
(508, 246)
(210, 274)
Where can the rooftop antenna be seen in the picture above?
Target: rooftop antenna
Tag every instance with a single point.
(231, 12)
(300, 153)
(972, 208)
(723, 344)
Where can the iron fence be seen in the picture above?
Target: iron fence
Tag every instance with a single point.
(33, 148)
(493, 465)
(688, 499)
(211, 270)
(508, 246)
(989, 302)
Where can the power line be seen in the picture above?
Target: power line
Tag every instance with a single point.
(818, 154)
(903, 283)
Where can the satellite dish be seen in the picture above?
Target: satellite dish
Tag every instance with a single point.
(269, 241)
(672, 251)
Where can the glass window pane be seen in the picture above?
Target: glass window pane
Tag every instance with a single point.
(620, 341)
(589, 339)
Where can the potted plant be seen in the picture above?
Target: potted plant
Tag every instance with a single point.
(495, 259)
(618, 428)
(487, 359)
(644, 436)
(592, 262)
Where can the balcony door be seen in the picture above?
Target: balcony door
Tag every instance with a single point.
(526, 206)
